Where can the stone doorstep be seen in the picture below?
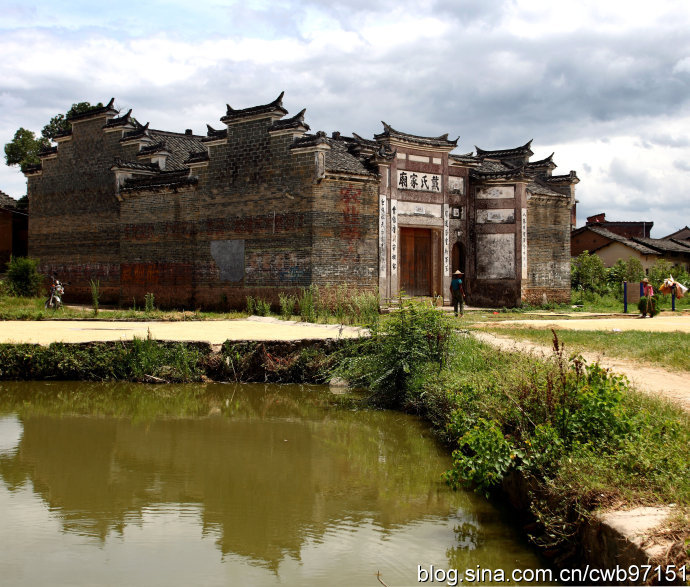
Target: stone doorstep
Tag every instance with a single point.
(624, 537)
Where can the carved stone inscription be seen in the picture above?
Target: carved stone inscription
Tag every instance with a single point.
(229, 256)
(496, 192)
(382, 235)
(495, 256)
(496, 216)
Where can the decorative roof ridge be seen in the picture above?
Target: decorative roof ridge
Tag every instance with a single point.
(296, 121)
(310, 140)
(136, 165)
(120, 120)
(95, 111)
(63, 133)
(546, 161)
(153, 148)
(273, 107)
(567, 178)
(141, 131)
(32, 168)
(516, 173)
(196, 157)
(527, 147)
(364, 141)
(390, 132)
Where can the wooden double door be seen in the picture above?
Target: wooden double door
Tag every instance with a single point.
(418, 257)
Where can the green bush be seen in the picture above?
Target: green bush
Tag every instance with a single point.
(413, 342)
(588, 273)
(287, 305)
(308, 303)
(23, 278)
(645, 309)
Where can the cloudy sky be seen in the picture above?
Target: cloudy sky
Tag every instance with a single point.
(603, 83)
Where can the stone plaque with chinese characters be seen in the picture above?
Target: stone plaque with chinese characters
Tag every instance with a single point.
(419, 181)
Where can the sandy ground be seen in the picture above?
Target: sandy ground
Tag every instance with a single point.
(672, 385)
(664, 322)
(212, 331)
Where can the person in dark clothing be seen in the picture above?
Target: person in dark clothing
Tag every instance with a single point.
(457, 292)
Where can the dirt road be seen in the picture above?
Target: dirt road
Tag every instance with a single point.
(671, 385)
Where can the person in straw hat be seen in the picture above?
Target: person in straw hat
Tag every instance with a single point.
(457, 292)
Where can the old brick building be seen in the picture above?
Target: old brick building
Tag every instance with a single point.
(261, 206)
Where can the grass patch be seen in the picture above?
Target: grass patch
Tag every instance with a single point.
(663, 349)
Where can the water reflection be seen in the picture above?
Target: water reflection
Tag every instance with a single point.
(272, 475)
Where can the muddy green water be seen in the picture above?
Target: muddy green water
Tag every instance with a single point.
(228, 485)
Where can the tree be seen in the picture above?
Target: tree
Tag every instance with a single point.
(588, 272)
(24, 148)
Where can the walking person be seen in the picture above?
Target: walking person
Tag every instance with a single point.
(457, 292)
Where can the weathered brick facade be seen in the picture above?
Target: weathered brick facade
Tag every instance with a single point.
(261, 207)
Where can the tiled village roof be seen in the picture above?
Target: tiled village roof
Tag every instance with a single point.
(524, 150)
(612, 236)
(662, 245)
(7, 202)
(685, 243)
(339, 158)
(179, 145)
(538, 188)
(466, 159)
(390, 133)
(275, 107)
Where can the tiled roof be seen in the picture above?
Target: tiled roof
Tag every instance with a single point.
(662, 245)
(561, 179)
(390, 133)
(685, 243)
(152, 149)
(539, 189)
(7, 202)
(274, 107)
(507, 153)
(466, 159)
(94, 111)
(339, 159)
(683, 231)
(179, 145)
(641, 248)
(136, 166)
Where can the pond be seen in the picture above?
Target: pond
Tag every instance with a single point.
(213, 484)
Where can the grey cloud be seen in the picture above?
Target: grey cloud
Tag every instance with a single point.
(624, 175)
(681, 165)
